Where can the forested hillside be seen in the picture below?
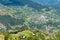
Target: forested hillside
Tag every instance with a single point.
(20, 15)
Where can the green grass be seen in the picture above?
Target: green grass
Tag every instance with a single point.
(30, 35)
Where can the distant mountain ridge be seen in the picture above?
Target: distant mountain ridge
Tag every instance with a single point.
(30, 3)
(48, 2)
(53, 3)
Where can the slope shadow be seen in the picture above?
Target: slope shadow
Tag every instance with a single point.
(8, 20)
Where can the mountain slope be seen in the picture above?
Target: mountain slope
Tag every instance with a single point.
(22, 14)
(53, 3)
(22, 3)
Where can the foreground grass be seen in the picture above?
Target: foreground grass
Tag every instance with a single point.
(1, 37)
(29, 35)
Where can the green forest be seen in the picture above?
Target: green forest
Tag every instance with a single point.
(29, 22)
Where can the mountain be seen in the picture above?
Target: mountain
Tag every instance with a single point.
(48, 2)
(53, 3)
(22, 3)
(26, 14)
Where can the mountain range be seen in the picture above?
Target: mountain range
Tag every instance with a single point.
(30, 3)
(25, 14)
(53, 3)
